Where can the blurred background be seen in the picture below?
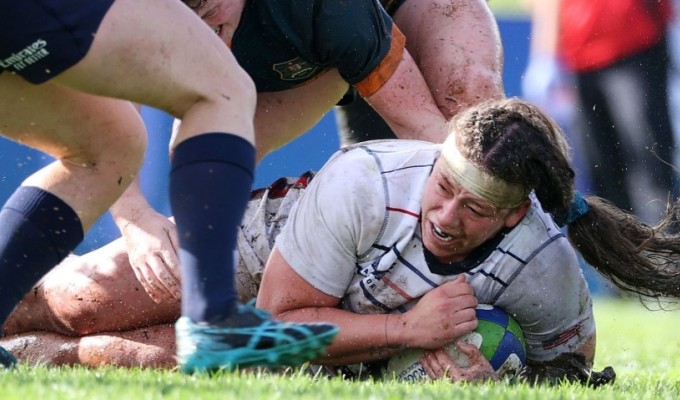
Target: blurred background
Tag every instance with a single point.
(307, 152)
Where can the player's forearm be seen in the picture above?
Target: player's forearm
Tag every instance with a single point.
(407, 105)
(129, 204)
(362, 337)
(128, 208)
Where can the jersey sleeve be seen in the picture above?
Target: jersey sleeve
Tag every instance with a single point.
(553, 305)
(359, 39)
(338, 216)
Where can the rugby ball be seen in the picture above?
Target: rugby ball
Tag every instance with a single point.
(498, 336)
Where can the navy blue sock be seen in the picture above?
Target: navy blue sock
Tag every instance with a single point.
(210, 182)
(37, 231)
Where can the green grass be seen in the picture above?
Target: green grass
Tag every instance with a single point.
(643, 346)
(505, 8)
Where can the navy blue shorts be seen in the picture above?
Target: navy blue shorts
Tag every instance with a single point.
(41, 38)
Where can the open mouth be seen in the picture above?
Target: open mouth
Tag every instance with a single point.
(441, 234)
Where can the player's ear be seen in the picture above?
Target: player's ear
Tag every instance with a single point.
(517, 214)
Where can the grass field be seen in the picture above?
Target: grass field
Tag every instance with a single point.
(508, 7)
(643, 347)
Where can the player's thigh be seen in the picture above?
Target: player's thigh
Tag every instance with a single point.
(116, 298)
(160, 53)
(99, 292)
(96, 292)
(457, 46)
(283, 116)
(66, 123)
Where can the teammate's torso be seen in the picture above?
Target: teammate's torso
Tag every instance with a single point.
(285, 43)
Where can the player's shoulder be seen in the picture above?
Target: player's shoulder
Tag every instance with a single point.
(537, 222)
(537, 237)
(373, 164)
(398, 151)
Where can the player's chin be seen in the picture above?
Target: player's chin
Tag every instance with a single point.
(445, 254)
(443, 250)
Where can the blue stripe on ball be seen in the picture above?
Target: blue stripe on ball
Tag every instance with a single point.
(508, 345)
(495, 315)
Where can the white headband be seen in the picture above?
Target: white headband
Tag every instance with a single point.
(483, 185)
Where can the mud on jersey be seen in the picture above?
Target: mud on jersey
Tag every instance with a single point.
(355, 234)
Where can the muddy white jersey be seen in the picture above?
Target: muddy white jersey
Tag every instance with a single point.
(355, 234)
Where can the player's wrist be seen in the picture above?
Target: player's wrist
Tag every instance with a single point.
(394, 331)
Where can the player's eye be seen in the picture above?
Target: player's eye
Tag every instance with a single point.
(208, 14)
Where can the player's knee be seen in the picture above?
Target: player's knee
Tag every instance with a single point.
(127, 145)
(231, 87)
(73, 310)
(215, 105)
(118, 150)
(238, 89)
(76, 321)
(247, 86)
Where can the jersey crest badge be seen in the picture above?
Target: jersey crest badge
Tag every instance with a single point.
(295, 69)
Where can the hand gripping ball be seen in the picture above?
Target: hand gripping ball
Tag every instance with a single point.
(498, 337)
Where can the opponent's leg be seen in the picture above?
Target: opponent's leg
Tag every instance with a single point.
(153, 346)
(213, 162)
(99, 292)
(96, 292)
(98, 144)
(213, 155)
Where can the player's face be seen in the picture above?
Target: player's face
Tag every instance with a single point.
(216, 13)
(455, 221)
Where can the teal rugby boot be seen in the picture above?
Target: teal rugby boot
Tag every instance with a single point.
(7, 360)
(254, 339)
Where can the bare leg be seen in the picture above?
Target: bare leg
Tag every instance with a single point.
(153, 346)
(97, 292)
(139, 54)
(457, 46)
(98, 142)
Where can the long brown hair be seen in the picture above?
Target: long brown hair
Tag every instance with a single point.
(517, 142)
